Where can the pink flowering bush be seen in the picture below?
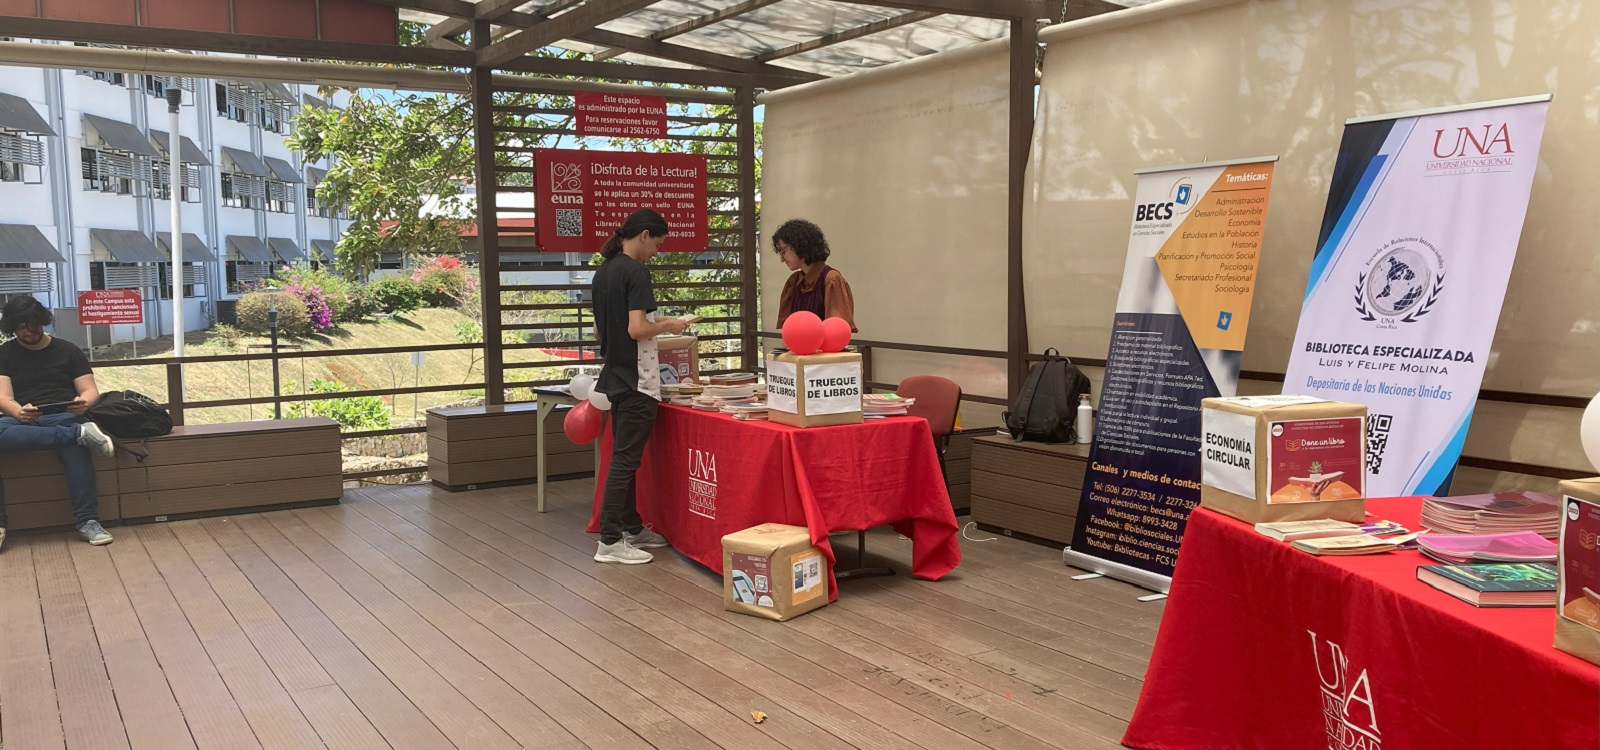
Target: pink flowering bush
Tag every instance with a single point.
(445, 280)
(318, 310)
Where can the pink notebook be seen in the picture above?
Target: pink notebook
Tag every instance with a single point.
(1516, 546)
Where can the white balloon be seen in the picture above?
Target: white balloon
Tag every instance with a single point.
(1590, 432)
(581, 386)
(600, 400)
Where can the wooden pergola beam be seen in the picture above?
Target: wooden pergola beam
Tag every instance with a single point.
(1077, 9)
(651, 73)
(1031, 10)
(452, 8)
(692, 56)
(693, 24)
(568, 24)
(848, 34)
(245, 44)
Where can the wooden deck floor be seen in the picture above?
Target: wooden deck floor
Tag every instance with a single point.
(415, 618)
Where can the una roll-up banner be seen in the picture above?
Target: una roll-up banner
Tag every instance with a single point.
(1182, 315)
(1405, 292)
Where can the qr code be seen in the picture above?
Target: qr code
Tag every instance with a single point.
(1377, 439)
(569, 222)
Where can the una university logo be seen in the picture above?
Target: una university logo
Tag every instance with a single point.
(566, 177)
(703, 483)
(1348, 713)
(1401, 283)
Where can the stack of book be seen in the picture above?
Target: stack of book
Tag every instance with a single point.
(1513, 547)
(1496, 585)
(746, 411)
(885, 405)
(1359, 544)
(1492, 514)
(681, 394)
(1289, 531)
(714, 397)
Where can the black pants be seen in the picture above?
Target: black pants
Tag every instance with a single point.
(633, 415)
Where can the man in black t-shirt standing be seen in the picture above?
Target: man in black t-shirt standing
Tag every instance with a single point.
(626, 327)
(45, 387)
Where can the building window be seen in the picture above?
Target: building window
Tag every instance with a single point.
(118, 275)
(190, 182)
(243, 190)
(280, 197)
(312, 209)
(17, 152)
(274, 117)
(391, 262)
(235, 103)
(240, 272)
(116, 171)
(191, 280)
(115, 79)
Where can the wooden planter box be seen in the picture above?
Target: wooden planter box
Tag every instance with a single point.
(472, 447)
(1027, 490)
(958, 467)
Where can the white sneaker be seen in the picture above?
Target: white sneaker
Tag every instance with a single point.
(647, 538)
(622, 552)
(2, 537)
(90, 436)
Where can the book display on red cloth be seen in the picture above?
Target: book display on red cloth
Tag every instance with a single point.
(706, 475)
(1263, 647)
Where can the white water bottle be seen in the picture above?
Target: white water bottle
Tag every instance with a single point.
(1085, 424)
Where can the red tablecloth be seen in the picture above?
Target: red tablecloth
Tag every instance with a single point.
(1264, 646)
(705, 475)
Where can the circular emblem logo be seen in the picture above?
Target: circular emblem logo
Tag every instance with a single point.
(1398, 282)
(1572, 510)
(1277, 430)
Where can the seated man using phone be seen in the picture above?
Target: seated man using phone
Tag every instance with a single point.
(45, 387)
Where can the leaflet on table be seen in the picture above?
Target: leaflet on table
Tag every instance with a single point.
(1181, 319)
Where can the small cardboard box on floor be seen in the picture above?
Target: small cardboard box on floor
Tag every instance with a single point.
(772, 571)
(1578, 570)
(814, 390)
(682, 354)
(1283, 458)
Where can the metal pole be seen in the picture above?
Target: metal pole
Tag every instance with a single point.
(272, 326)
(175, 183)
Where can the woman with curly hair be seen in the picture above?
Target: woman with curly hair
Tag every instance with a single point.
(814, 286)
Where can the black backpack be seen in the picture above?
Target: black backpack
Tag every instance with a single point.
(1047, 407)
(130, 414)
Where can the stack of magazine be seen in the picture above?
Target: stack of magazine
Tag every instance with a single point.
(1492, 514)
(1513, 547)
(885, 405)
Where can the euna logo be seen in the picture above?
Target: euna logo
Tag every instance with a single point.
(703, 483)
(566, 177)
(1471, 142)
(1348, 713)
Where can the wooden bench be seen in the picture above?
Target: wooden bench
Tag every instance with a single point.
(958, 467)
(1027, 490)
(36, 490)
(239, 467)
(195, 471)
(471, 447)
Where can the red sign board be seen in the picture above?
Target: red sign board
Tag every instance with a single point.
(583, 196)
(621, 115)
(109, 307)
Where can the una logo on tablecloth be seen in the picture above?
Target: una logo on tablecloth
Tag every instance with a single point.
(703, 483)
(1347, 711)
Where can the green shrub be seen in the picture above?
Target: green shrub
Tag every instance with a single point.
(358, 305)
(352, 414)
(396, 294)
(293, 320)
(443, 287)
(227, 335)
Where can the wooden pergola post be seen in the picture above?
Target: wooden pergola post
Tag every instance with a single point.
(1024, 52)
(749, 250)
(494, 355)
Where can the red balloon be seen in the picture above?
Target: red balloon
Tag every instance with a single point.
(835, 335)
(583, 423)
(802, 332)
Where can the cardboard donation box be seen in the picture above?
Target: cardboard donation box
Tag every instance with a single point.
(1283, 458)
(772, 571)
(814, 390)
(680, 355)
(1578, 570)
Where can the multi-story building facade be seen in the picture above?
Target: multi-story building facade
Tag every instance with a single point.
(85, 191)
